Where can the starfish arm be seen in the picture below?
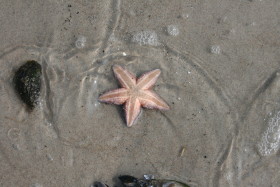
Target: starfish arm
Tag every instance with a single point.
(147, 80)
(132, 110)
(151, 100)
(126, 79)
(118, 96)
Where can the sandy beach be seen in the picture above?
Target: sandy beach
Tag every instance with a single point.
(219, 62)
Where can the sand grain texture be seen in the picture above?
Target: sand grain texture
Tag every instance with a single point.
(219, 63)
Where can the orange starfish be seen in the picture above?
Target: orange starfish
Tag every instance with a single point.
(134, 93)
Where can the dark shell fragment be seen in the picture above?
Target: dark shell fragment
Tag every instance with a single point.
(129, 181)
(100, 184)
(27, 82)
(148, 181)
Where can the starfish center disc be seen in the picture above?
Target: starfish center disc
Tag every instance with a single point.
(135, 92)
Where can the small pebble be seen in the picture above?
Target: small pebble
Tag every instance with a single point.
(182, 151)
(49, 157)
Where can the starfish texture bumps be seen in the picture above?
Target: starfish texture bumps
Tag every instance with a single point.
(134, 93)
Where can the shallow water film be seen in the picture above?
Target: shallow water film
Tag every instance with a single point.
(219, 63)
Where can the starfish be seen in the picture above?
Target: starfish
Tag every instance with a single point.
(134, 93)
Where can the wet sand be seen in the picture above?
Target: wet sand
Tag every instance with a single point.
(219, 64)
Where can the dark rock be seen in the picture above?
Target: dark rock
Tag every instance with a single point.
(129, 181)
(27, 82)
